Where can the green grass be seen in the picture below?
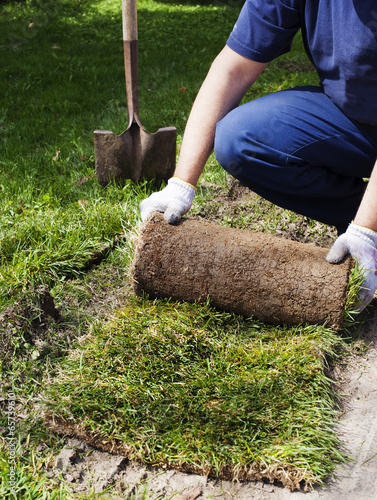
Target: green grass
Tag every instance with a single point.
(62, 77)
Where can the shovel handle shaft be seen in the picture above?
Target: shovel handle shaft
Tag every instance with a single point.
(129, 15)
(130, 46)
(132, 81)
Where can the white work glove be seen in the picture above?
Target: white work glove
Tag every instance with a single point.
(361, 244)
(174, 201)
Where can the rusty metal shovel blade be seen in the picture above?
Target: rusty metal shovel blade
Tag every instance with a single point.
(136, 153)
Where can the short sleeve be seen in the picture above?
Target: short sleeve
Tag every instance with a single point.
(265, 29)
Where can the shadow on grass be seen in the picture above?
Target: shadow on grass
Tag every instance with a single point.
(63, 71)
(64, 62)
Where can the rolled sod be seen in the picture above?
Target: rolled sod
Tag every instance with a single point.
(253, 274)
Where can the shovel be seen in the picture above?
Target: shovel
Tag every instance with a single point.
(135, 154)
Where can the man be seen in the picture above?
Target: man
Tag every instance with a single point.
(307, 149)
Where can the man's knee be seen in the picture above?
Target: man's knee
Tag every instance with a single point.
(229, 146)
(222, 146)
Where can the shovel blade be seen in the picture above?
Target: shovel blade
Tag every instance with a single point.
(135, 154)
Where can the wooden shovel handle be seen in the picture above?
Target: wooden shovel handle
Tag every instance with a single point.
(129, 15)
(130, 47)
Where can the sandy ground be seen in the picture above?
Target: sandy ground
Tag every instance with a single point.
(357, 479)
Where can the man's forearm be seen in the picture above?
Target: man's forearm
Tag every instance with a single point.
(228, 80)
(367, 214)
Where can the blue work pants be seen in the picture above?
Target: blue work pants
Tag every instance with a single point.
(298, 150)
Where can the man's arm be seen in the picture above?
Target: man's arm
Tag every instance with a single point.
(360, 241)
(228, 79)
(367, 214)
(230, 76)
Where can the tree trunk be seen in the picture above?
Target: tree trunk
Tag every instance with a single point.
(253, 274)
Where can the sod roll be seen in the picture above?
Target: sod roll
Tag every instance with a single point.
(253, 274)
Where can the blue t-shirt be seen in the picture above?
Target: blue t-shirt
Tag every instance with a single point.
(340, 37)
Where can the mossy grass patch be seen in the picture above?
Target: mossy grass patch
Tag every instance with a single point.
(187, 387)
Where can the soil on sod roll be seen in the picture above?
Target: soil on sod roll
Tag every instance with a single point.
(253, 274)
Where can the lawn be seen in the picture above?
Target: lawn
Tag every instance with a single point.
(174, 377)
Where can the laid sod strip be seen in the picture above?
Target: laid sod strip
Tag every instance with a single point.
(185, 386)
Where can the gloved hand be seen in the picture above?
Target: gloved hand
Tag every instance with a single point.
(361, 244)
(174, 201)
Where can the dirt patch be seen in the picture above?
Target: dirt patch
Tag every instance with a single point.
(25, 325)
(241, 207)
(81, 465)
